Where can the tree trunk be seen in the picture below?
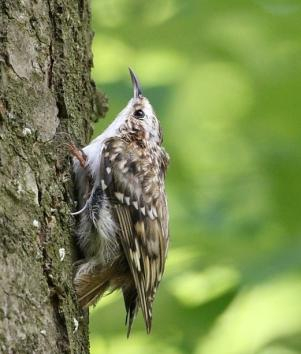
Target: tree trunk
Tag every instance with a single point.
(47, 98)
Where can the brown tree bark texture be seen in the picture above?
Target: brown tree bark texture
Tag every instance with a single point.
(45, 92)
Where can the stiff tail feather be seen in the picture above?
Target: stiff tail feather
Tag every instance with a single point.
(90, 286)
(130, 300)
(91, 282)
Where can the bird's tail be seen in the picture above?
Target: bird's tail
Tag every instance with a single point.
(90, 284)
(131, 305)
(92, 281)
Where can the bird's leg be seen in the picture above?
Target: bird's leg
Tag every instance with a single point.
(78, 154)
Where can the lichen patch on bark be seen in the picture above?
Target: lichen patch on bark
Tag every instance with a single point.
(45, 116)
(21, 50)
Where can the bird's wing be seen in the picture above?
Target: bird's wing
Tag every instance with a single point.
(133, 180)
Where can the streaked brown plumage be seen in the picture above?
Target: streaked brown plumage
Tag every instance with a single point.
(123, 227)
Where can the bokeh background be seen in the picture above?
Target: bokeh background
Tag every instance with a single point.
(225, 80)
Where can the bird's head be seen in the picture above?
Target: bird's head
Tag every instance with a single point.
(139, 115)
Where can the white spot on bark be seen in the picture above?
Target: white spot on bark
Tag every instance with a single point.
(36, 223)
(26, 131)
(19, 188)
(75, 321)
(62, 254)
(43, 332)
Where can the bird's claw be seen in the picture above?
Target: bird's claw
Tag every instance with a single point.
(78, 154)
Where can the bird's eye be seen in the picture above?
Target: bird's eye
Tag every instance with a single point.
(139, 114)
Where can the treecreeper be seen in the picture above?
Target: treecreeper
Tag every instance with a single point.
(123, 216)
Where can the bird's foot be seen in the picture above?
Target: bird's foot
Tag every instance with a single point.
(78, 154)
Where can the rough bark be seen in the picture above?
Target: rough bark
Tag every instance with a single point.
(46, 92)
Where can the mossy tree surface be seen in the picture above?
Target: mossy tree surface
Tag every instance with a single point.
(47, 97)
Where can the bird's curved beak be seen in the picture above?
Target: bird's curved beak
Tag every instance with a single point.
(136, 84)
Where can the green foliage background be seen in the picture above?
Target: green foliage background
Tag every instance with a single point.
(225, 80)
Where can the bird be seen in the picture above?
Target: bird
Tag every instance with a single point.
(123, 219)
